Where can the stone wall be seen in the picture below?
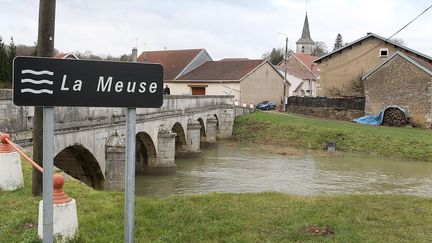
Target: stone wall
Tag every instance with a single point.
(401, 83)
(14, 119)
(240, 110)
(335, 108)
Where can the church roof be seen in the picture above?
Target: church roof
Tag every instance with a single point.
(305, 37)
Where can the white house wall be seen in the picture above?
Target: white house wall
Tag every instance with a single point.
(295, 82)
(211, 89)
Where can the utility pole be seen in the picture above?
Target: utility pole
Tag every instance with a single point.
(45, 48)
(285, 80)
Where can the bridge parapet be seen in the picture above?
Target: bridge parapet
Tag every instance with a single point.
(19, 120)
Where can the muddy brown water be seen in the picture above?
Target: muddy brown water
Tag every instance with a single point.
(229, 168)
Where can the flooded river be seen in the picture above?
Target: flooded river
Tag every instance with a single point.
(228, 168)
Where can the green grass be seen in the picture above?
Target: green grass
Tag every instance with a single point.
(294, 130)
(227, 217)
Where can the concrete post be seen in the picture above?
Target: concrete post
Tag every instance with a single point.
(115, 163)
(193, 136)
(165, 164)
(211, 129)
(65, 220)
(11, 177)
(226, 121)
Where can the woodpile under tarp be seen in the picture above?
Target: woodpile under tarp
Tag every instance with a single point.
(394, 117)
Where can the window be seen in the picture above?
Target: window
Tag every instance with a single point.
(383, 52)
(302, 49)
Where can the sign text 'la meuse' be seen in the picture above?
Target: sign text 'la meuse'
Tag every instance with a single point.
(106, 85)
(65, 82)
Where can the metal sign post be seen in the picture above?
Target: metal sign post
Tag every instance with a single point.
(48, 161)
(52, 82)
(130, 175)
(130, 169)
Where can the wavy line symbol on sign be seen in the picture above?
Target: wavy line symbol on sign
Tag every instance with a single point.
(37, 82)
(37, 72)
(43, 81)
(40, 91)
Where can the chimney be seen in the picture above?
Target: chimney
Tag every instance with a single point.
(134, 54)
(368, 33)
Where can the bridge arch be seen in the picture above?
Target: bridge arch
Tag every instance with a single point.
(78, 162)
(180, 139)
(202, 130)
(145, 153)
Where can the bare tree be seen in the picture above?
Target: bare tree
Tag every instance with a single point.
(320, 49)
(399, 41)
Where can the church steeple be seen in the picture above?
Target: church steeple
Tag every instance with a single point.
(305, 44)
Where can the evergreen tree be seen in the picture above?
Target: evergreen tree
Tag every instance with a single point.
(275, 56)
(11, 56)
(34, 52)
(3, 62)
(339, 42)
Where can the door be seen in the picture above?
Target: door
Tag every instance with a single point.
(198, 90)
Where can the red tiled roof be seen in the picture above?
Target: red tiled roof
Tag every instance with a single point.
(60, 55)
(173, 61)
(308, 61)
(65, 55)
(231, 69)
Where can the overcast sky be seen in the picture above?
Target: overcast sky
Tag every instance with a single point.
(225, 28)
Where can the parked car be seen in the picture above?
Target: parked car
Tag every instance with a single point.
(266, 105)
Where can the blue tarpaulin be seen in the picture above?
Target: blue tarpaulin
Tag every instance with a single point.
(371, 120)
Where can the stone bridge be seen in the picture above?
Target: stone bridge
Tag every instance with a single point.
(89, 142)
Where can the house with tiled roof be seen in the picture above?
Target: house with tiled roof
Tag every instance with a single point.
(249, 81)
(341, 71)
(176, 62)
(403, 81)
(301, 66)
(295, 79)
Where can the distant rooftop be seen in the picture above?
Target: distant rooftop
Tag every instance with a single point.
(173, 61)
(230, 69)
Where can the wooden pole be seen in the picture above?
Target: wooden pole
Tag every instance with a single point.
(45, 48)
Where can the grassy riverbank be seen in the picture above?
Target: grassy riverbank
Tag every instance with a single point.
(293, 130)
(269, 217)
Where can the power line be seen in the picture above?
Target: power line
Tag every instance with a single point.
(365, 53)
(411, 21)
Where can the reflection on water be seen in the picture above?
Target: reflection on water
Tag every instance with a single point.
(239, 169)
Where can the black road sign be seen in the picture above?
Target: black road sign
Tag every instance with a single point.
(67, 82)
